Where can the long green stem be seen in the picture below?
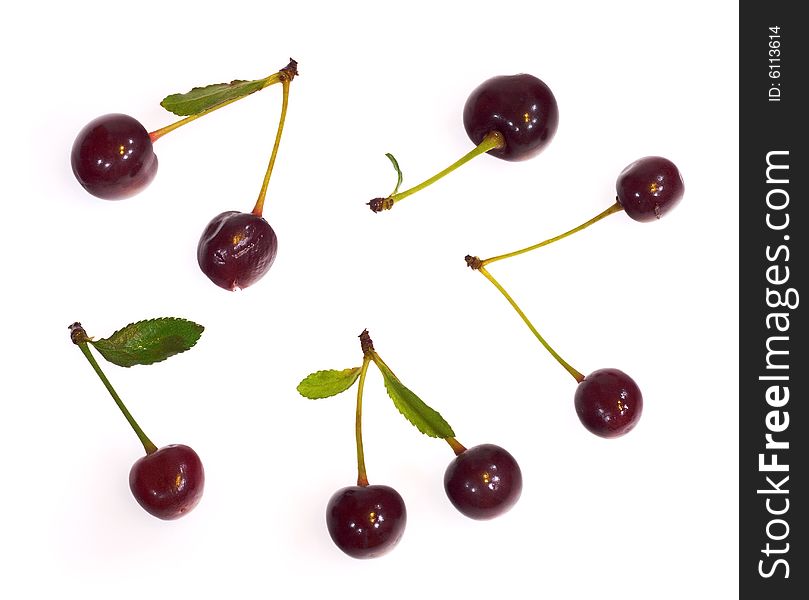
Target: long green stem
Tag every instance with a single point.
(362, 477)
(612, 209)
(258, 209)
(577, 376)
(492, 141)
(80, 338)
(158, 133)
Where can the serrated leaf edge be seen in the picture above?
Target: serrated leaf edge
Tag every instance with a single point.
(353, 381)
(132, 324)
(179, 96)
(388, 377)
(135, 323)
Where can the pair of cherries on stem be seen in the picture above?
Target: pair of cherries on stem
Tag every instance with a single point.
(608, 402)
(113, 158)
(367, 521)
(167, 482)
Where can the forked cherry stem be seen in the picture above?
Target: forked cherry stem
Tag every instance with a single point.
(612, 209)
(370, 354)
(470, 260)
(80, 338)
(492, 141)
(266, 82)
(480, 265)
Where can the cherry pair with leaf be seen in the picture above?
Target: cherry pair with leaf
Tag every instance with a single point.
(512, 117)
(608, 402)
(113, 158)
(167, 482)
(366, 521)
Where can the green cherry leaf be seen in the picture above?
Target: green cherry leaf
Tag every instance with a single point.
(149, 341)
(398, 172)
(200, 99)
(413, 408)
(323, 384)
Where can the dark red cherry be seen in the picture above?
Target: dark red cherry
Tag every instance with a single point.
(483, 481)
(236, 249)
(168, 483)
(649, 188)
(113, 157)
(366, 522)
(521, 107)
(608, 402)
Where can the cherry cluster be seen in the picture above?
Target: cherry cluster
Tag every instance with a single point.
(509, 117)
(514, 118)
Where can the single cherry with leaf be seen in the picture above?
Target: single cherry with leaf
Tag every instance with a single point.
(168, 481)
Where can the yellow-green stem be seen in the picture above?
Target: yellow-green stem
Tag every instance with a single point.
(158, 133)
(258, 209)
(147, 443)
(493, 140)
(379, 362)
(456, 446)
(576, 375)
(362, 477)
(612, 209)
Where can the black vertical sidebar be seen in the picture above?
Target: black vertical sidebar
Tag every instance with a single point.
(773, 332)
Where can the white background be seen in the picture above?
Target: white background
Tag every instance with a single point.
(650, 515)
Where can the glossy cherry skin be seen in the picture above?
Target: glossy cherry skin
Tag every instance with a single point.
(366, 521)
(649, 188)
(483, 481)
(608, 403)
(236, 249)
(521, 107)
(168, 483)
(113, 157)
